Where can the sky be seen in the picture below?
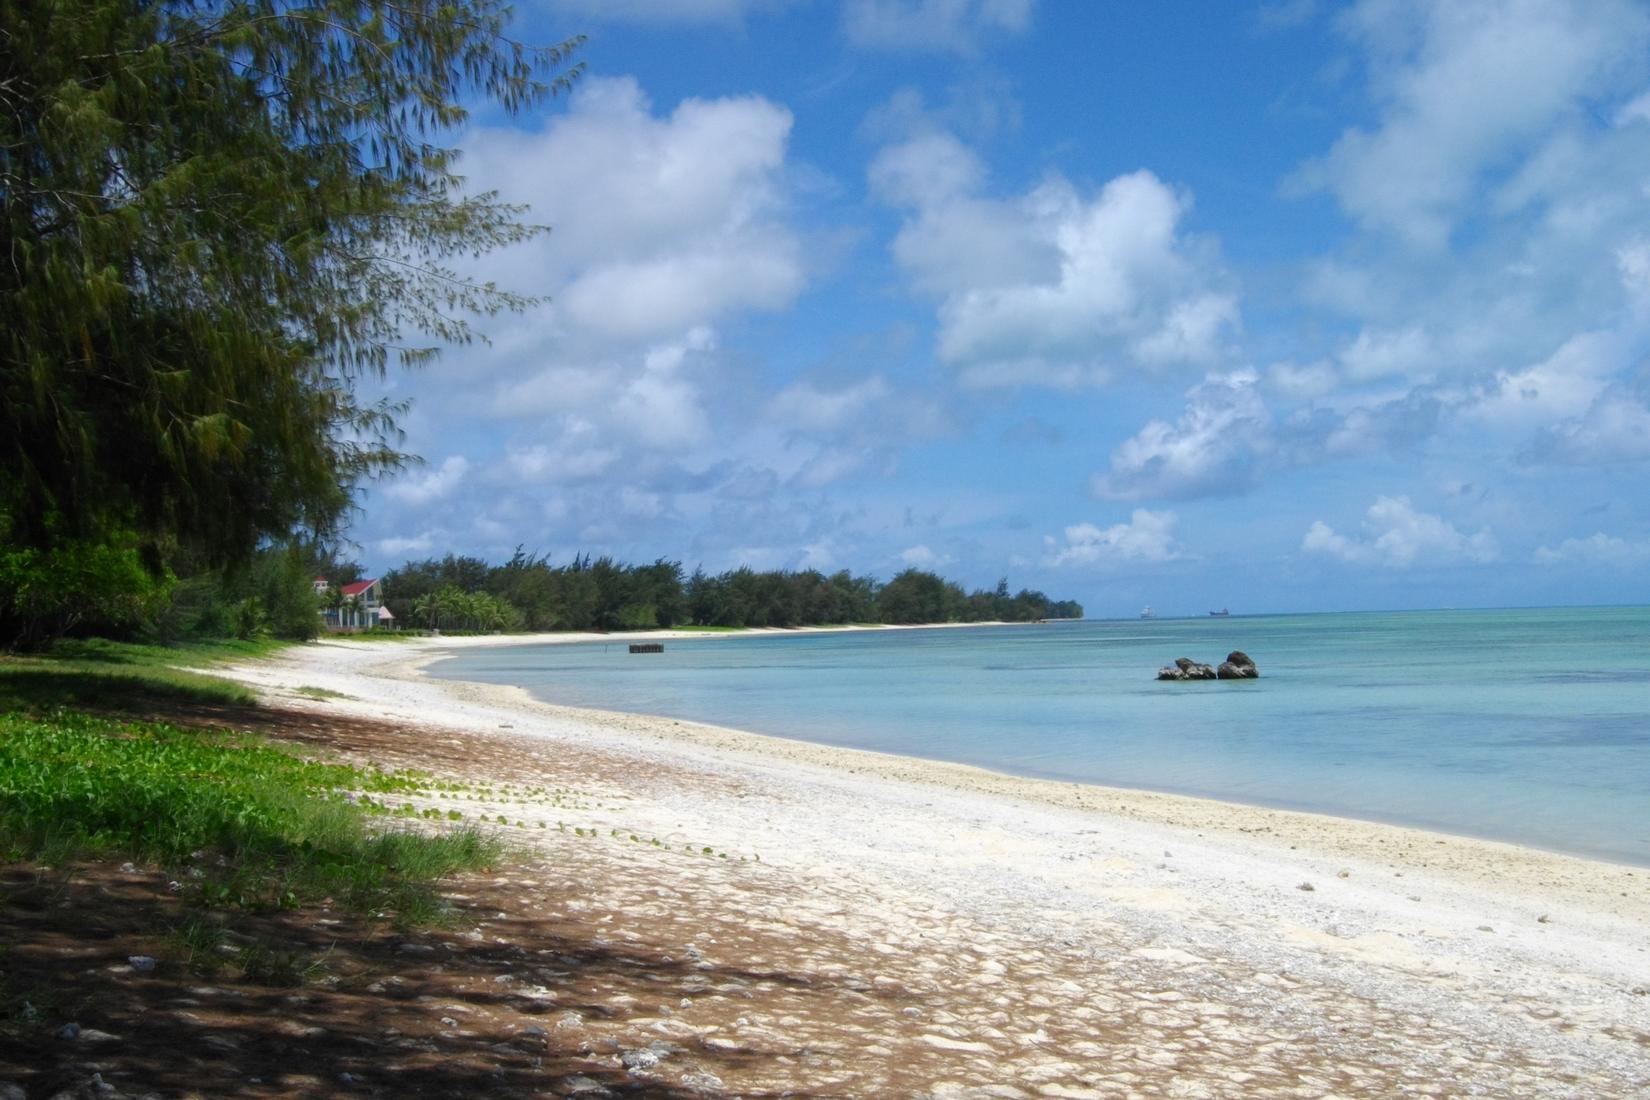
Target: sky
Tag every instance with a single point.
(1286, 307)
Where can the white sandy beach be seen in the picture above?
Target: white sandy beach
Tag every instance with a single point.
(1043, 939)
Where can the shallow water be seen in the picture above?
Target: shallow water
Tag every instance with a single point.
(1531, 726)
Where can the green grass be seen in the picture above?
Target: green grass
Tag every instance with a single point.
(247, 824)
(115, 675)
(312, 692)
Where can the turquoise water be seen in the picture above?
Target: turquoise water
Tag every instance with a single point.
(1530, 726)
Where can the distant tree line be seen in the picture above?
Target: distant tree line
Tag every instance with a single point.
(528, 592)
(273, 595)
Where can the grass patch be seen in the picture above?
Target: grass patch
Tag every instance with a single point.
(117, 675)
(310, 691)
(245, 824)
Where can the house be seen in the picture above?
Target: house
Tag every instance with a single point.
(360, 606)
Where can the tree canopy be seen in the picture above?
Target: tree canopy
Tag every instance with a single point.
(218, 219)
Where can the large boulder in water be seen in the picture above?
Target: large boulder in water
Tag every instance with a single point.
(1184, 668)
(1238, 666)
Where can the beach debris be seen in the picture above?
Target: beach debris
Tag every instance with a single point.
(1485, 928)
(142, 963)
(1184, 668)
(1306, 886)
(1343, 873)
(1238, 666)
(69, 1032)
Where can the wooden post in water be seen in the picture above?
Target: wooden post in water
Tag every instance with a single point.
(647, 647)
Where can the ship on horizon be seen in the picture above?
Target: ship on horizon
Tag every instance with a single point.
(1221, 614)
(1148, 613)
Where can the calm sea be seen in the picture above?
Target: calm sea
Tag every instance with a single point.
(1530, 726)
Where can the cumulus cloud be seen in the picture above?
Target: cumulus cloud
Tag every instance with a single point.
(1615, 428)
(954, 26)
(1054, 286)
(576, 455)
(652, 398)
(1147, 537)
(921, 557)
(430, 487)
(1397, 536)
(1560, 387)
(1596, 549)
(811, 407)
(1462, 87)
(1216, 446)
(1378, 354)
(661, 223)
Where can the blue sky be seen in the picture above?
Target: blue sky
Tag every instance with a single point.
(1287, 307)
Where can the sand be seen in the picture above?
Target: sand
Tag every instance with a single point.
(949, 931)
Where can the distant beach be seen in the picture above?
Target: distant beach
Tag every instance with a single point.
(1055, 938)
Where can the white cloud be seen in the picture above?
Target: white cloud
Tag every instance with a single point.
(432, 486)
(1378, 354)
(1301, 380)
(1615, 428)
(814, 408)
(1147, 537)
(1462, 87)
(921, 557)
(954, 26)
(660, 223)
(576, 456)
(829, 464)
(1397, 536)
(1596, 549)
(1216, 446)
(1562, 386)
(1053, 287)
(396, 547)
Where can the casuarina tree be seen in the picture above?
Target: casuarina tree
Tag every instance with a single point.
(219, 218)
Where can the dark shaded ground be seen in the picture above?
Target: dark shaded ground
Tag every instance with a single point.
(384, 1014)
(484, 1005)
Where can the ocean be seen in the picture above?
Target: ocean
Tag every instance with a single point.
(1528, 726)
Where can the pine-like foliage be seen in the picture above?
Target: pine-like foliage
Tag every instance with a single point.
(219, 217)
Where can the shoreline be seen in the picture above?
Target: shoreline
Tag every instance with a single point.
(1165, 807)
(1501, 948)
(1054, 784)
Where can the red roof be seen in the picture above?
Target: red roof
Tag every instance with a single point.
(358, 587)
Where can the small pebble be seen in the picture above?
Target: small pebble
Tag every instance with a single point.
(69, 1032)
(1306, 886)
(144, 963)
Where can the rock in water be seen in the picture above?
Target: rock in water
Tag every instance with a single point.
(1238, 666)
(1184, 668)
